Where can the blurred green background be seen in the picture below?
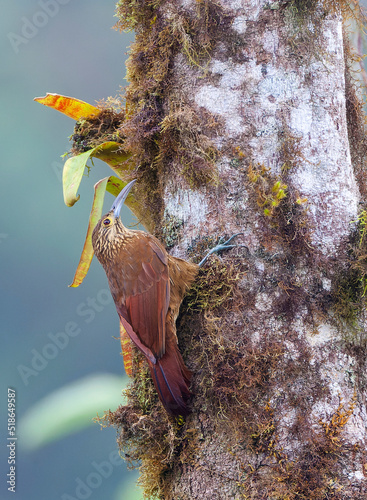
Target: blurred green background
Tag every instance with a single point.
(61, 382)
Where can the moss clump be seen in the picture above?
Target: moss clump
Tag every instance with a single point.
(348, 298)
(134, 14)
(199, 247)
(213, 287)
(284, 209)
(269, 189)
(242, 390)
(147, 441)
(91, 132)
(293, 226)
(187, 148)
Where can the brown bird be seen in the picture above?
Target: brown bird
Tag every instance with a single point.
(148, 286)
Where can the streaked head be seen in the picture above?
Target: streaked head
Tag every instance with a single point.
(108, 229)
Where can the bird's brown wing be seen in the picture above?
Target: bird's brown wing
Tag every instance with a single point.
(144, 302)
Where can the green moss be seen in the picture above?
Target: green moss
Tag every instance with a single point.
(269, 189)
(213, 288)
(189, 152)
(284, 208)
(134, 14)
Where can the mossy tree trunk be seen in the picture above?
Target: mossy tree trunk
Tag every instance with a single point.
(243, 118)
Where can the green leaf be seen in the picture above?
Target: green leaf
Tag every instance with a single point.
(110, 152)
(72, 176)
(70, 409)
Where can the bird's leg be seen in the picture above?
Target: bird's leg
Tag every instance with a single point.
(219, 248)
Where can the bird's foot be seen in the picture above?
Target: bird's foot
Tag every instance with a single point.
(219, 248)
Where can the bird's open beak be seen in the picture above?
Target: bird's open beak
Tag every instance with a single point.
(120, 199)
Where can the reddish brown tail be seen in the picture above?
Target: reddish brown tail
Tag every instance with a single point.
(172, 380)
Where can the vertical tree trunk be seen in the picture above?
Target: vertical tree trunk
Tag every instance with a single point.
(243, 118)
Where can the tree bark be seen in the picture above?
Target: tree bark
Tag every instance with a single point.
(243, 118)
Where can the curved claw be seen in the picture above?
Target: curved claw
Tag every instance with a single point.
(230, 239)
(219, 248)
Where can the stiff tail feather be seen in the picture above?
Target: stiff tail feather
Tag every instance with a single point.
(172, 380)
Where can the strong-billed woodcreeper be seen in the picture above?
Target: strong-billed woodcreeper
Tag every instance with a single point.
(148, 286)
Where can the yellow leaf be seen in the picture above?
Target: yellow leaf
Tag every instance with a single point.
(95, 215)
(69, 106)
(126, 350)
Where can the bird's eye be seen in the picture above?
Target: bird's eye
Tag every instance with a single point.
(107, 222)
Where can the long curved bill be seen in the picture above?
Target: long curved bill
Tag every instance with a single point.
(120, 199)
